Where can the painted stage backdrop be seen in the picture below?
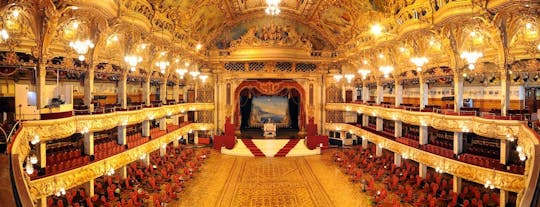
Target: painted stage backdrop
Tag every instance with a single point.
(274, 109)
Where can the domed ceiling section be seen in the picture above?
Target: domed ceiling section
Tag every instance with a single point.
(326, 23)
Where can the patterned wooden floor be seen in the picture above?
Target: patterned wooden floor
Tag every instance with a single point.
(242, 181)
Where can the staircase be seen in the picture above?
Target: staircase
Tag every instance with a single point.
(287, 148)
(253, 148)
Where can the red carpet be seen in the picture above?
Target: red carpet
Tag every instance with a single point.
(287, 148)
(253, 148)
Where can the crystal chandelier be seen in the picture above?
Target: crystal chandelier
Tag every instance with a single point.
(419, 62)
(4, 34)
(29, 168)
(81, 47)
(181, 72)
(338, 77)
(132, 61)
(349, 77)
(386, 70)
(194, 74)
(364, 73)
(203, 78)
(471, 57)
(162, 65)
(273, 7)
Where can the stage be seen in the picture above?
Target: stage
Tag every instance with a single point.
(271, 148)
(257, 133)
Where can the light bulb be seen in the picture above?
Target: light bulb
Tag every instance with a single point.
(519, 148)
(33, 159)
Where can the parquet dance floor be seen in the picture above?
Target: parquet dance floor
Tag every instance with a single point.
(300, 181)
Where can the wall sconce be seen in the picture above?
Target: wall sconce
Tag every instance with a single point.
(489, 184)
(61, 191)
(35, 140)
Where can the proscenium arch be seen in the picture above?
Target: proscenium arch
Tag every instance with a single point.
(283, 84)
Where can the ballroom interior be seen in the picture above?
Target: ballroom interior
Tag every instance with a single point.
(130, 103)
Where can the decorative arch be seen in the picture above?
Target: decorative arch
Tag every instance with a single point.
(271, 87)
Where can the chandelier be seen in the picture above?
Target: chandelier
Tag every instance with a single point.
(81, 47)
(419, 62)
(181, 72)
(338, 77)
(4, 34)
(162, 65)
(364, 73)
(194, 74)
(29, 168)
(471, 57)
(272, 7)
(132, 61)
(349, 77)
(386, 70)
(203, 78)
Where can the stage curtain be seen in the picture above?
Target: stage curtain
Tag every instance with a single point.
(294, 103)
(245, 110)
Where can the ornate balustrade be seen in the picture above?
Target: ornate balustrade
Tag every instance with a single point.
(49, 185)
(524, 185)
(497, 129)
(60, 128)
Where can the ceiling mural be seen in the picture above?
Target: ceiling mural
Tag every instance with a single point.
(301, 7)
(305, 32)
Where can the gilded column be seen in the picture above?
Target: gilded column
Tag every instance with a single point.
(505, 92)
(89, 143)
(456, 184)
(424, 92)
(122, 91)
(40, 84)
(398, 93)
(365, 92)
(89, 88)
(380, 93)
(147, 92)
(458, 143)
(458, 91)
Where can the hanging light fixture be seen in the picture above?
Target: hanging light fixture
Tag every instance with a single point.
(81, 47)
(338, 77)
(349, 77)
(471, 57)
(376, 29)
(181, 72)
(194, 74)
(162, 65)
(29, 168)
(4, 34)
(132, 61)
(364, 73)
(203, 78)
(386, 70)
(272, 7)
(35, 140)
(419, 62)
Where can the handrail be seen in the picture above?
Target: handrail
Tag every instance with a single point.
(13, 130)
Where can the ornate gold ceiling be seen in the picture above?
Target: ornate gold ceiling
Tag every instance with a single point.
(172, 29)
